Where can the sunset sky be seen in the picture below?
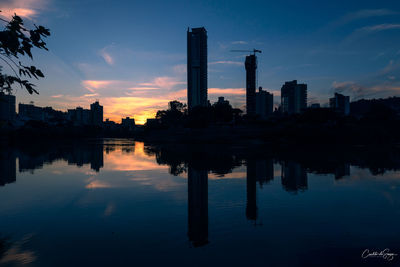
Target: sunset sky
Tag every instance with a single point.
(131, 55)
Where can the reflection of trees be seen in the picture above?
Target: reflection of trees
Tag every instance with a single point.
(217, 159)
(5, 244)
(296, 161)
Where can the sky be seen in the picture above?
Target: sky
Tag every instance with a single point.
(131, 55)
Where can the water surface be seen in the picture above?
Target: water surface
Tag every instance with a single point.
(118, 202)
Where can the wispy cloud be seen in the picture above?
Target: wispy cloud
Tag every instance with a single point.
(361, 14)
(365, 31)
(24, 8)
(226, 91)
(240, 42)
(56, 96)
(359, 91)
(106, 56)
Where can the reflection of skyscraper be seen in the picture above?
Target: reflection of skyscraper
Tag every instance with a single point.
(8, 167)
(197, 67)
(294, 176)
(97, 160)
(251, 190)
(198, 206)
(342, 170)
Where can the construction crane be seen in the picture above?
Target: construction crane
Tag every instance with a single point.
(254, 51)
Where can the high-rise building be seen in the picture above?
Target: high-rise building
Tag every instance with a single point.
(340, 104)
(264, 103)
(197, 67)
(293, 97)
(96, 111)
(7, 107)
(251, 67)
(30, 112)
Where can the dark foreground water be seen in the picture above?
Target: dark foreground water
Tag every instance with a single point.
(120, 203)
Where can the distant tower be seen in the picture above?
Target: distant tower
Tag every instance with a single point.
(197, 67)
(251, 66)
(96, 111)
(293, 97)
(340, 104)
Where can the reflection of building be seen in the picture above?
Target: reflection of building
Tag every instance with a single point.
(197, 67)
(264, 171)
(79, 155)
(340, 104)
(293, 97)
(251, 66)
(7, 107)
(261, 171)
(264, 103)
(251, 190)
(198, 206)
(342, 170)
(8, 167)
(294, 176)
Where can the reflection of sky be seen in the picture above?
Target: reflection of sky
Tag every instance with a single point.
(133, 208)
(132, 55)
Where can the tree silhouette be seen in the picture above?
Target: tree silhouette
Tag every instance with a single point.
(16, 40)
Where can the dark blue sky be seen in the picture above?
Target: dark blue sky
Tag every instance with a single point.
(131, 55)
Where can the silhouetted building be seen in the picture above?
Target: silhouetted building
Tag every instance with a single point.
(128, 123)
(251, 67)
(51, 115)
(197, 67)
(8, 167)
(96, 111)
(294, 176)
(340, 104)
(79, 116)
(30, 112)
(198, 206)
(264, 103)
(7, 107)
(293, 97)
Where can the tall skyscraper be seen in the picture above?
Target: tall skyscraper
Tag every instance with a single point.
(251, 67)
(293, 97)
(197, 67)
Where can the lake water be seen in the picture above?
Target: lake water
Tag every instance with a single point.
(122, 203)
